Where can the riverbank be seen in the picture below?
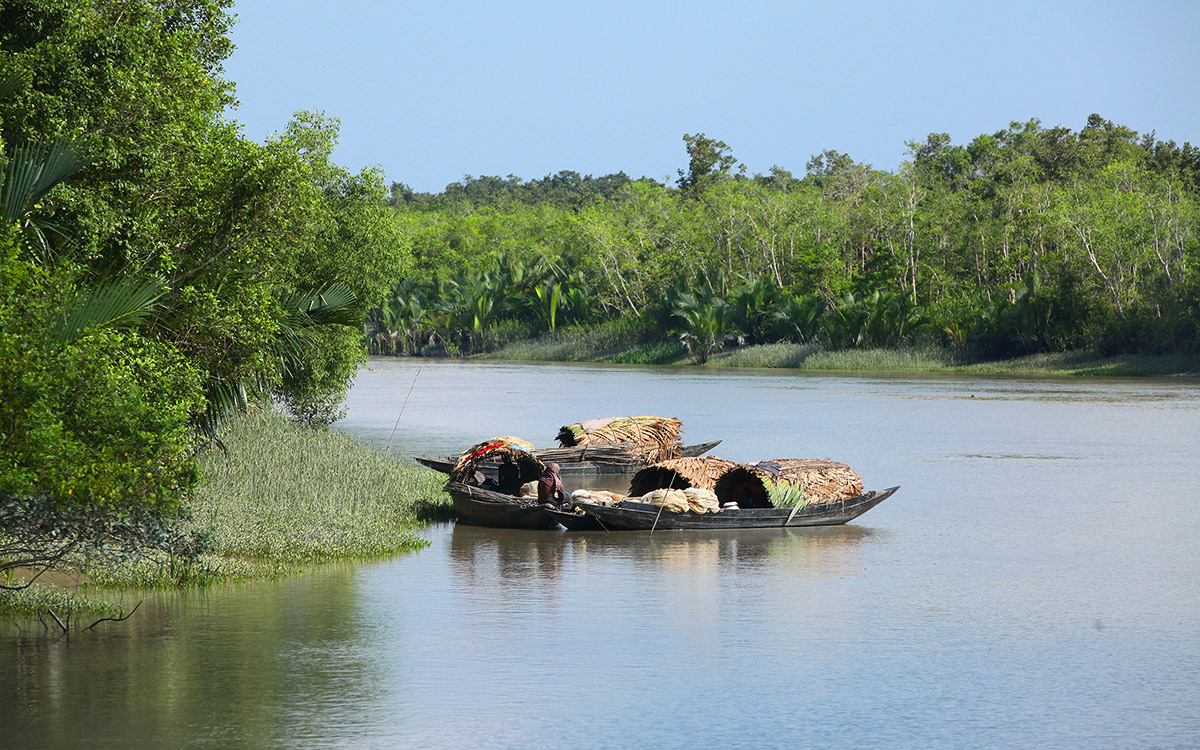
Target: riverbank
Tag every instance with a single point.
(583, 345)
(279, 497)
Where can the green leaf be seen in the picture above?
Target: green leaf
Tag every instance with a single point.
(33, 172)
(118, 303)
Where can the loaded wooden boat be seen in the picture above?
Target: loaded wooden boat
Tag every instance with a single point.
(711, 493)
(480, 501)
(630, 515)
(476, 506)
(578, 460)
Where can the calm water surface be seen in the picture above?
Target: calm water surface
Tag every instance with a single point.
(1035, 583)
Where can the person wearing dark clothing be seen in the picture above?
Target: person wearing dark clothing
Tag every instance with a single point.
(508, 476)
(550, 486)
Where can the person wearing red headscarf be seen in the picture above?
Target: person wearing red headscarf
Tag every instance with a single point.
(550, 486)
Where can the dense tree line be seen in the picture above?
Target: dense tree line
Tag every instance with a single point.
(157, 268)
(1028, 239)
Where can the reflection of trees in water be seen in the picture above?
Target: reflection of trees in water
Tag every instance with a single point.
(505, 556)
(247, 665)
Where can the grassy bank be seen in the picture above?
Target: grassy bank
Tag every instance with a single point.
(279, 497)
(582, 345)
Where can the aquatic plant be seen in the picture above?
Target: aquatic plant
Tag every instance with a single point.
(281, 496)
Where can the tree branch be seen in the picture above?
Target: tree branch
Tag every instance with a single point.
(114, 619)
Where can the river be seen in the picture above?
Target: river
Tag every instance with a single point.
(1034, 583)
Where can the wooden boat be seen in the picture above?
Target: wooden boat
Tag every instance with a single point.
(571, 461)
(630, 515)
(476, 506)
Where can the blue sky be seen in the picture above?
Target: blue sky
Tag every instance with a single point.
(432, 91)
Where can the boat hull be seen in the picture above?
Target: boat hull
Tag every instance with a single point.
(633, 516)
(479, 507)
(575, 521)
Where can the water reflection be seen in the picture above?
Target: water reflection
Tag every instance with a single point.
(508, 557)
(512, 557)
(234, 665)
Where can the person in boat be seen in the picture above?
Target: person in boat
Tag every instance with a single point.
(750, 494)
(550, 486)
(508, 476)
(478, 479)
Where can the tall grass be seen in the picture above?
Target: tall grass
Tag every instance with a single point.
(578, 344)
(660, 353)
(765, 355)
(1093, 363)
(626, 345)
(814, 357)
(914, 359)
(282, 496)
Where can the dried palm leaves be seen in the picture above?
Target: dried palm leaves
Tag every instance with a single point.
(818, 482)
(701, 471)
(653, 438)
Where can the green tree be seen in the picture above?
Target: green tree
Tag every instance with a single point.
(709, 162)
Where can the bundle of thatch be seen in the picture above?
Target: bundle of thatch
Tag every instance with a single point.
(600, 452)
(518, 450)
(681, 473)
(654, 438)
(819, 481)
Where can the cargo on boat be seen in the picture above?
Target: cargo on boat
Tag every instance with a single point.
(615, 446)
(709, 493)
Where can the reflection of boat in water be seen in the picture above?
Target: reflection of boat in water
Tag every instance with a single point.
(628, 515)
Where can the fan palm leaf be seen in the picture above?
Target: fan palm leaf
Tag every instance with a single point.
(116, 303)
(307, 309)
(33, 171)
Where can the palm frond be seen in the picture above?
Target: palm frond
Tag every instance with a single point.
(118, 303)
(307, 309)
(334, 304)
(11, 81)
(33, 172)
(223, 397)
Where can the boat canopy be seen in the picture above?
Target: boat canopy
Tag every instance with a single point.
(520, 451)
(700, 472)
(819, 481)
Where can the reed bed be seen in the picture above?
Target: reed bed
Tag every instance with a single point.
(659, 353)
(626, 347)
(284, 496)
(910, 359)
(38, 599)
(1089, 363)
(766, 355)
